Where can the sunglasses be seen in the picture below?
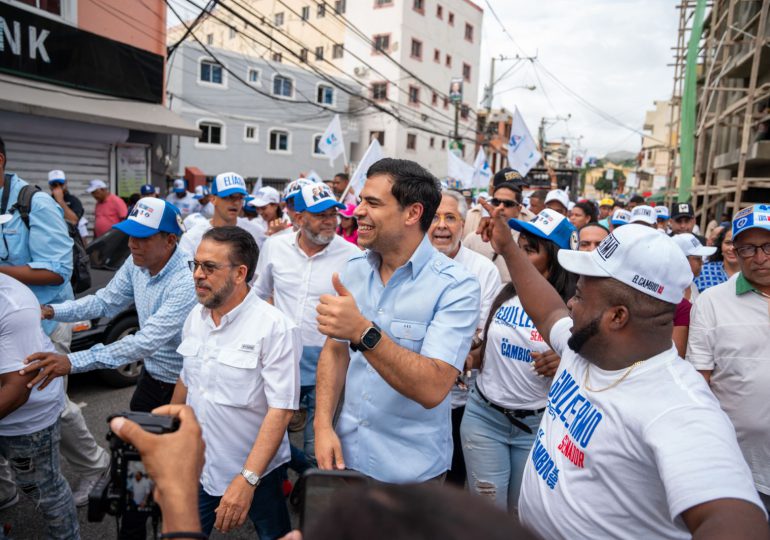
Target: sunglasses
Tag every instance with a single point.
(507, 204)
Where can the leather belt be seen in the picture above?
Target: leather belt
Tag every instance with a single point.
(512, 415)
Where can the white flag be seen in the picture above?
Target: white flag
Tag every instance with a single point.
(457, 169)
(522, 150)
(373, 155)
(331, 142)
(481, 171)
(257, 186)
(312, 175)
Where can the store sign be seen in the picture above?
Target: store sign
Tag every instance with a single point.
(132, 168)
(36, 47)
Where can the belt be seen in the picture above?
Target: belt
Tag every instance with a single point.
(511, 414)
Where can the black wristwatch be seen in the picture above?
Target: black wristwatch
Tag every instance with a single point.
(369, 339)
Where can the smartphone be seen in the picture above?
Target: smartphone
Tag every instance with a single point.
(319, 488)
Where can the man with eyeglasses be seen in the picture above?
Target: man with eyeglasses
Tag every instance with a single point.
(295, 270)
(228, 192)
(157, 279)
(730, 339)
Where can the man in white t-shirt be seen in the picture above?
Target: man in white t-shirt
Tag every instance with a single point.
(29, 418)
(228, 192)
(633, 443)
(729, 342)
(181, 198)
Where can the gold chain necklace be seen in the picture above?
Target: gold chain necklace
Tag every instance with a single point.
(613, 385)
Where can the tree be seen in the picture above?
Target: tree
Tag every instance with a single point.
(603, 185)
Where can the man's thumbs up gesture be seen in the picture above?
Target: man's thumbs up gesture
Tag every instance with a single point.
(338, 316)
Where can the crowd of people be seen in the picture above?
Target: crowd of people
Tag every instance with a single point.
(573, 365)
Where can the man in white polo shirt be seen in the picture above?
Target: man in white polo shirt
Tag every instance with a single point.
(241, 377)
(295, 270)
(633, 443)
(228, 192)
(729, 342)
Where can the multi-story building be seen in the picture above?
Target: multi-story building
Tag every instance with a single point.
(257, 118)
(654, 157)
(82, 90)
(403, 54)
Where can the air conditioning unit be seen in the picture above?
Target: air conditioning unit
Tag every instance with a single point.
(361, 71)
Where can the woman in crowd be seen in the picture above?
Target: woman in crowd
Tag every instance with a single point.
(348, 228)
(582, 214)
(506, 404)
(721, 265)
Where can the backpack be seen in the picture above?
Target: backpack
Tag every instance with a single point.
(81, 269)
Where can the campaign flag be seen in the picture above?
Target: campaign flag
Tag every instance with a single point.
(331, 143)
(458, 170)
(481, 171)
(373, 155)
(312, 175)
(257, 187)
(522, 150)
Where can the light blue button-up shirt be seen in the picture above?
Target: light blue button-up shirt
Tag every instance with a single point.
(45, 245)
(430, 306)
(162, 301)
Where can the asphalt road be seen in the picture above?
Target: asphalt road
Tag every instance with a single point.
(97, 401)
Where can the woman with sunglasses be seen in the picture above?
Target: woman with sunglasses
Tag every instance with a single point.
(506, 404)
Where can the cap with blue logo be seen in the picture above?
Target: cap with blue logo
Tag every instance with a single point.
(147, 189)
(200, 192)
(549, 225)
(316, 198)
(229, 183)
(620, 217)
(150, 216)
(662, 213)
(293, 187)
(180, 186)
(754, 217)
(56, 177)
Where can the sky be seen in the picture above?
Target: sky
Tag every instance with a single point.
(612, 53)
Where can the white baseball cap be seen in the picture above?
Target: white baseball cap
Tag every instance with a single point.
(200, 192)
(229, 183)
(179, 186)
(266, 195)
(620, 217)
(639, 257)
(56, 177)
(316, 198)
(558, 195)
(95, 184)
(691, 246)
(150, 216)
(644, 214)
(662, 212)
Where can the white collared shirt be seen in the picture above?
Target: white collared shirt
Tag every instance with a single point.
(296, 281)
(192, 238)
(233, 373)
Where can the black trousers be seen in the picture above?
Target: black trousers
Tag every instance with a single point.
(456, 474)
(150, 393)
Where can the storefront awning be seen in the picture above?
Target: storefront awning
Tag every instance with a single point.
(42, 99)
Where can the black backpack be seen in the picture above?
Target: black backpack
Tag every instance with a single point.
(81, 270)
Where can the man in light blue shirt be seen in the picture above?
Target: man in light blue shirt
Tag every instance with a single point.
(158, 280)
(409, 314)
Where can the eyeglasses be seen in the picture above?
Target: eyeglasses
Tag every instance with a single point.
(749, 250)
(449, 219)
(507, 204)
(208, 267)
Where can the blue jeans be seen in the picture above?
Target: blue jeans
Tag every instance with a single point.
(34, 459)
(495, 450)
(268, 511)
(302, 460)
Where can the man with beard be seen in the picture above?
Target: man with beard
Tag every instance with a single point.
(608, 460)
(241, 377)
(295, 270)
(228, 192)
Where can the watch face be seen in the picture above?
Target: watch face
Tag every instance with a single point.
(371, 338)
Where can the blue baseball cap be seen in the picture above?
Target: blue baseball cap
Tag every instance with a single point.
(251, 209)
(147, 189)
(316, 198)
(229, 183)
(549, 225)
(754, 217)
(150, 216)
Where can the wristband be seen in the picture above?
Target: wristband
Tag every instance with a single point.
(182, 534)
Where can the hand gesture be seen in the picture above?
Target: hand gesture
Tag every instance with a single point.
(277, 226)
(545, 363)
(49, 365)
(496, 230)
(338, 316)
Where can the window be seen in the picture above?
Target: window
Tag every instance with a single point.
(439, 12)
(277, 57)
(464, 111)
(451, 18)
(448, 61)
(279, 141)
(209, 39)
(417, 49)
(419, 6)
(382, 3)
(437, 56)
(303, 55)
(211, 72)
(211, 133)
(432, 142)
(443, 144)
(379, 135)
(446, 102)
(283, 86)
(316, 150)
(380, 91)
(49, 6)
(232, 33)
(321, 11)
(251, 133)
(411, 141)
(325, 94)
(339, 7)
(305, 13)
(253, 76)
(414, 95)
(434, 99)
(381, 42)
(467, 72)
(319, 54)
(468, 32)
(338, 50)
(279, 19)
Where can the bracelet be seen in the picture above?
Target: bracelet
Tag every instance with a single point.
(182, 534)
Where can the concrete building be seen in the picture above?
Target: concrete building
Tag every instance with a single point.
(82, 90)
(654, 157)
(256, 118)
(403, 54)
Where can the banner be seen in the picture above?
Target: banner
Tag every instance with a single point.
(457, 169)
(373, 155)
(522, 150)
(331, 143)
(481, 171)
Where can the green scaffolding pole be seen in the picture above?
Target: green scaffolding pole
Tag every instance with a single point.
(689, 102)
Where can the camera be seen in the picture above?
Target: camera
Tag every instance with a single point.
(127, 489)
